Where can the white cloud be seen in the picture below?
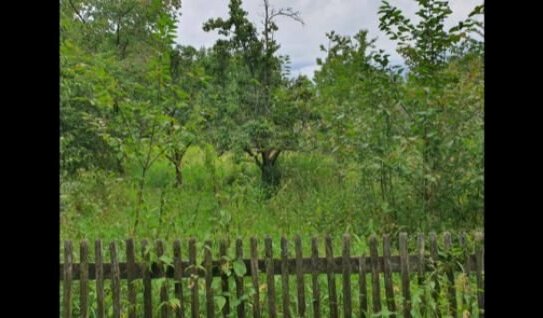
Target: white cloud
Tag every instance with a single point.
(302, 43)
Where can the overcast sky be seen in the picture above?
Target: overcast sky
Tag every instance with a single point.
(302, 43)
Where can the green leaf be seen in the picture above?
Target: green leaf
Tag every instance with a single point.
(239, 268)
(166, 260)
(221, 301)
(174, 303)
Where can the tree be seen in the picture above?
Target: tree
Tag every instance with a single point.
(435, 119)
(357, 98)
(124, 59)
(187, 85)
(86, 87)
(249, 73)
(426, 46)
(124, 25)
(97, 38)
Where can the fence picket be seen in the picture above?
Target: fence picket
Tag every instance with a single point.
(346, 264)
(362, 287)
(479, 250)
(84, 280)
(314, 278)
(466, 265)
(178, 277)
(210, 307)
(270, 280)
(286, 266)
(453, 305)
(434, 257)
(284, 277)
(100, 308)
(376, 286)
(254, 277)
(239, 280)
(115, 280)
(131, 276)
(330, 268)
(164, 309)
(147, 286)
(194, 309)
(389, 288)
(224, 279)
(421, 271)
(404, 265)
(67, 279)
(299, 276)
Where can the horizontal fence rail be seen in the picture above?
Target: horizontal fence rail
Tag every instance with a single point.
(158, 281)
(307, 267)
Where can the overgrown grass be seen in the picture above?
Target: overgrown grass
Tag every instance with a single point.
(221, 197)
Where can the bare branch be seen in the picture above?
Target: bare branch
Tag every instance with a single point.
(127, 11)
(247, 150)
(274, 155)
(405, 110)
(156, 157)
(289, 13)
(77, 11)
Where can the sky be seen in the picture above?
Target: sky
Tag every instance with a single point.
(302, 42)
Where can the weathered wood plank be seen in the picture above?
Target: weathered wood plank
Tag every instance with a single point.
(389, 288)
(84, 283)
(178, 276)
(296, 266)
(100, 308)
(254, 277)
(224, 279)
(115, 280)
(421, 266)
(195, 302)
(270, 280)
(300, 289)
(67, 292)
(332, 293)
(479, 252)
(164, 309)
(239, 280)
(131, 276)
(362, 287)
(314, 278)
(347, 298)
(434, 263)
(147, 286)
(421, 269)
(376, 286)
(463, 246)
(210, 306)
(307, 267)
(284, 277)
(453, 305)
(404, 264)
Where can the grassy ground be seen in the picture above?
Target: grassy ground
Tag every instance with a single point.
(221, 197)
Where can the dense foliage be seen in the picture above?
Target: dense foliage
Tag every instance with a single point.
(163, 140)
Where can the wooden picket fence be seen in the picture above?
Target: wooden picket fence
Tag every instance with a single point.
(186, 277)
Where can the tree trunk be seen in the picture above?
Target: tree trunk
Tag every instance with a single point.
(178, 176)
(120, 166)
(176, 159)
(270, 173)
(139, 201)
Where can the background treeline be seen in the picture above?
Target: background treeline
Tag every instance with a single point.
(163, 140)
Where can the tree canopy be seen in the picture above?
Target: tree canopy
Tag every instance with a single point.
(403, 143)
